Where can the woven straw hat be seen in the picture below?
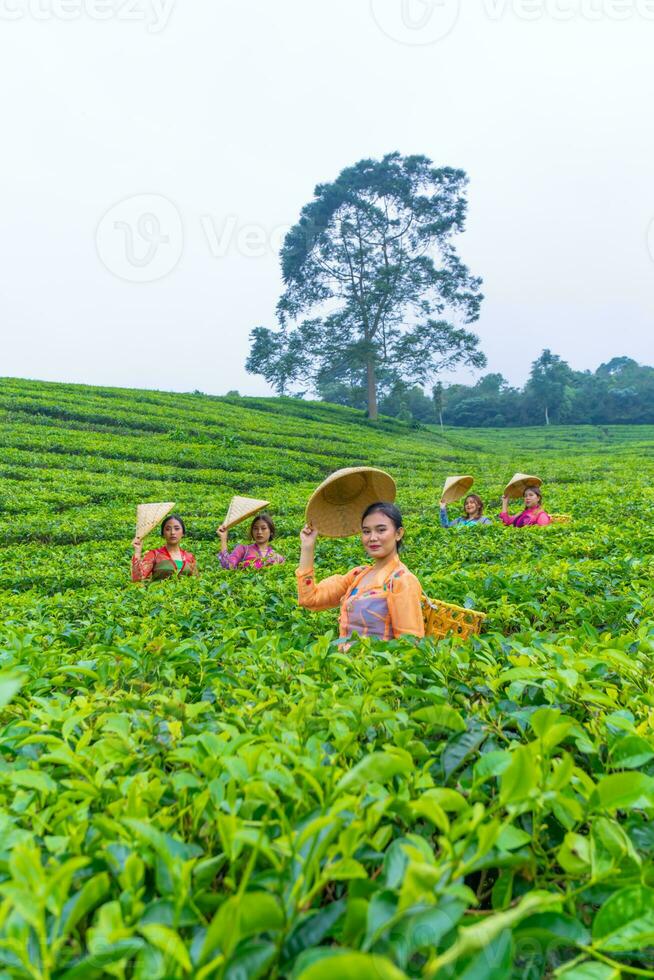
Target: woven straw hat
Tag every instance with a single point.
(240, 508)
(455, 487)
(519, 483)
(148, 516)
(336, 506)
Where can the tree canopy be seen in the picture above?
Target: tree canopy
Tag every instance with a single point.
(375, 293)
(550, 385)
(618, 392)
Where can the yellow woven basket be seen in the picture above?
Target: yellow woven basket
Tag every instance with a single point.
(561, 518)
(444, 618)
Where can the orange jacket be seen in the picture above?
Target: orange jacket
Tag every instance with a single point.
(401, 589)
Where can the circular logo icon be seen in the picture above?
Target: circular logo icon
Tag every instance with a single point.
(141, 238)
(415, 22)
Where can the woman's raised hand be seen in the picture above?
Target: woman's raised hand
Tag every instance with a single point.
(137, 544)
(308, 536)
(222, 533)
(505, 502)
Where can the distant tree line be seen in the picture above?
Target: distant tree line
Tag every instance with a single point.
(618, 392)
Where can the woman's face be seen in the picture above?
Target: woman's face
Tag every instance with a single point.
(173, 532)
(260, 532)
(470, 506)
(531, 499)
(379, 535)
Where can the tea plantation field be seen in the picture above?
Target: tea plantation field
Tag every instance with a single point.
(195, 781)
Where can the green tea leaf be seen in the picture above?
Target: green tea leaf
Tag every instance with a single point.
(90, 895)
(623, 791)
(473, 938)
(511, 837)
(441, 716)
(313, 928)
(493, 962)
(348, 965)
(589, 970)
(10, 684)
(251, 961)
(33, 779)
(93, 966)
(611, 849)
(626, 920)
(520, 777)
(631, 752)
(240, 917)
(378, 767)
(554, 925)
(424, 930)
(167, 940)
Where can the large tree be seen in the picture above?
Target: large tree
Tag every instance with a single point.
(549, 386)
(373, 284)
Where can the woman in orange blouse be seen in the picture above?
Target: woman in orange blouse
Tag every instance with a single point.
(381, 600)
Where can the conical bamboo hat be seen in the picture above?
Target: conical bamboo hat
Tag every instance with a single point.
(455, 487)
(240, 508)
(335, 508)
(148, 516)
(518, 483)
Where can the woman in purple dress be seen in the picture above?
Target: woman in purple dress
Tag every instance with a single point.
(258, 553)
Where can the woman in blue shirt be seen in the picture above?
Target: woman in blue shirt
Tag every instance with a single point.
(473, 513)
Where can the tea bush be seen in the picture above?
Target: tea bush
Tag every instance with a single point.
(196, 782)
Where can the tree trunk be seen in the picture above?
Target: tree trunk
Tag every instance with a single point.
(372, 389)
(440, 419)
(547, 416)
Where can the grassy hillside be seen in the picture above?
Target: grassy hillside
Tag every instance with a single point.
(195, 781)
(76, 460)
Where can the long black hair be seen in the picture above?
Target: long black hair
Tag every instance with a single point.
(393, 513)
(267, 519)
(172, 517)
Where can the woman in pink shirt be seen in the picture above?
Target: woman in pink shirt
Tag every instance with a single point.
(256, 555)
(532, 514)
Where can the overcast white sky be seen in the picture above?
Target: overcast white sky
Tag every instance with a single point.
(232, 110)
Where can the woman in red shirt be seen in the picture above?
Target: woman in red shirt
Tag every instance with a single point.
(164, 562)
